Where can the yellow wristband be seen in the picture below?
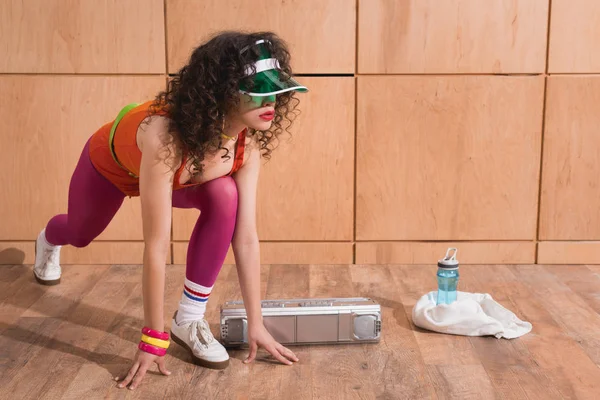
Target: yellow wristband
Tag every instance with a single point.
(163, 344)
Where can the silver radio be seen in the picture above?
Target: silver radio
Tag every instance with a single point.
(307, 321)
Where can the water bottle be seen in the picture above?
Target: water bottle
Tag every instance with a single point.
(447, 277)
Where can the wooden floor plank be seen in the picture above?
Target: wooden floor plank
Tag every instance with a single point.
(595, 269)
(285, 282)
(555, 342)
(288, 282)
(325, 281)
(436, 349)
(36, 341)
(584, 284)
(461, 382)
(574, 315)
(395, 367)
(511, 367)
(81, 329)
(9, 274)
(337, 371)
(126, 335)
(567, 307)
(235, 380)
(331, 281)
(85, 330)
(18, 295)
(581, 280)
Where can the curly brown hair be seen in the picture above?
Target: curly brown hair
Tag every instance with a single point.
(207, 87)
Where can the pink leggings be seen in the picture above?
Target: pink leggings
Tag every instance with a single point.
(94, 200)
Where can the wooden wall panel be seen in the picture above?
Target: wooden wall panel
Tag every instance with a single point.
(571, 162)
(98, 252)
(452, 36)
(184, 221)
(569, 253)
(82, 36)
(574, 36)
(439, 158)
(306, 189)
(47, 120)
(428, 253)
(321, 33)
(105, 253)
(286, 253)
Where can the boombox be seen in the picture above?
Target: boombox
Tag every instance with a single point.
(306, 321)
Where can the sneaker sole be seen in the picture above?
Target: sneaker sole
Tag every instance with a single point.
(199, 361)
(51, 282)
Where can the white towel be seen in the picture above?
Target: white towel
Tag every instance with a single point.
(472, 314)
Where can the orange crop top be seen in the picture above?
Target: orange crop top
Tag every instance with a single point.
(130, 156)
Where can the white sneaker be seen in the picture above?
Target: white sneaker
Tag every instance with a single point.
(47, 257)
(197, 338)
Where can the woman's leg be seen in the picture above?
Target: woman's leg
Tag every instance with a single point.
(217, 200)
(93, 202)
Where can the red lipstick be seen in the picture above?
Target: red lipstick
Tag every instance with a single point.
(267, 116)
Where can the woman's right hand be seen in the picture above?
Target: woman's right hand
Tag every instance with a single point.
(143, 361)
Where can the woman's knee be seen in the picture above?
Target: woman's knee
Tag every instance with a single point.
(80, 241)
(220, 193)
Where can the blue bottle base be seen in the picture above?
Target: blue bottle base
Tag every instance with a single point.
(446, 297)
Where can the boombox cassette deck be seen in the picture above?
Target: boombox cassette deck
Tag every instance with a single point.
(306, 321)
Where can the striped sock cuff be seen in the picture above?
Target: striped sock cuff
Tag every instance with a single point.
(196, 292)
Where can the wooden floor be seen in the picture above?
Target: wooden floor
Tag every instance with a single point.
(68, 341)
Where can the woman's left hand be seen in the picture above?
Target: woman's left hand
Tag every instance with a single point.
(258, 336)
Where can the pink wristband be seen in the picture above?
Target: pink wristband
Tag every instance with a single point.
(155, 334)
(148, 348)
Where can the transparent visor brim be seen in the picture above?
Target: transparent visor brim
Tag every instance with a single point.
(271, 82)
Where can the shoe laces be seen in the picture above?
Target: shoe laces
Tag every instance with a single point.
(200, 332)
(51, 256)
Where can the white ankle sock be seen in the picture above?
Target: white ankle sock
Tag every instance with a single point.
(193, 302)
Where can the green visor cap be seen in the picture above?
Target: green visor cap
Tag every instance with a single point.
(269, 79)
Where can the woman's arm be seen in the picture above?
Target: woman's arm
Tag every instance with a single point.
(247, 256)
(245, 239)
(156, 182)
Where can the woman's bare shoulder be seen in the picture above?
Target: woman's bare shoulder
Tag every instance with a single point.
(153, 136)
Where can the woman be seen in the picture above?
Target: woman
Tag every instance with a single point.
(196, 145)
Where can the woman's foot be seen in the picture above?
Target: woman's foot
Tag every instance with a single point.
(47, 261)
(197, 338)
